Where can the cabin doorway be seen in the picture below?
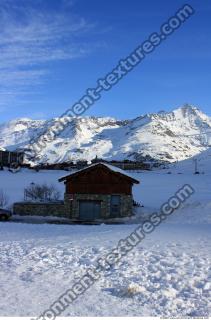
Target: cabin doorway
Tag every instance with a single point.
(89, 210)
(115, 206)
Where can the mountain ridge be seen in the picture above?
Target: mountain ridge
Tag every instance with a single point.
(163, 136)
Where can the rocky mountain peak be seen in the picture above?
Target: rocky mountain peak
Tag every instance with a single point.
(163, 136)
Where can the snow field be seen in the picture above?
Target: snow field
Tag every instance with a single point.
(168, 274)
(164, 276)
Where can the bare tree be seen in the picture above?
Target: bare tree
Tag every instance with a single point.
(41, 193)
(4, 199)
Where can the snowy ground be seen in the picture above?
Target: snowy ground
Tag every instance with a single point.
(168, 273)
(40, 262)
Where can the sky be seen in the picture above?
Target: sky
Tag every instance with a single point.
(51, 51)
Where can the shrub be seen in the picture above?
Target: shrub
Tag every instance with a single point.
(41, 193)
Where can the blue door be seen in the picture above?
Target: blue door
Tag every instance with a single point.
(89, 210)
(115, 206)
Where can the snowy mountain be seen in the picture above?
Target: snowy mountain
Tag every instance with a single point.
(163, 136)
(17, 133)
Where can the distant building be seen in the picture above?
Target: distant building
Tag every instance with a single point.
(125, 164)
(81, 164)
(7, 158)
(99, 191)
(97, 160)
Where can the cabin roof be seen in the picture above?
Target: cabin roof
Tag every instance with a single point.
(113, 169)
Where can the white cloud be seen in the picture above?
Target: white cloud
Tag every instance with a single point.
(29, 38)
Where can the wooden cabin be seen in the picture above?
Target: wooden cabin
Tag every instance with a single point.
(98, 192)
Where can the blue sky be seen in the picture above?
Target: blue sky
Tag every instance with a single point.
(51, 51)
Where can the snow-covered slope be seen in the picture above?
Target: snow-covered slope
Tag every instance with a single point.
(201, 162)
(172, 136)
(17, 133)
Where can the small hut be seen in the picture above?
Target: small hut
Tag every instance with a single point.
(98, 192)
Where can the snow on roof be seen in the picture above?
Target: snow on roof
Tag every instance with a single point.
(116, 169)
(110, 167)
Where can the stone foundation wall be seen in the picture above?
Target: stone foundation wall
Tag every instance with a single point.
(56, 209)
(72, 204)
(70, 207)
(126, 206)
